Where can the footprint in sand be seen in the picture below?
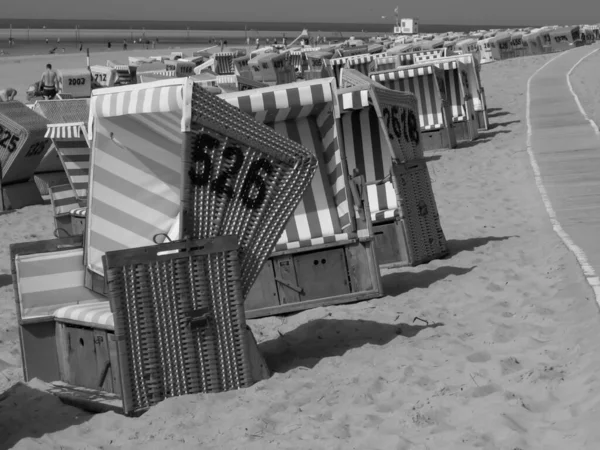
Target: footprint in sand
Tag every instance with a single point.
(479, 357)
(484, 391)
(504, 334)
(510, 365)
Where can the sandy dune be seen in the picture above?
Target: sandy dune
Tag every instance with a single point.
(508, 360)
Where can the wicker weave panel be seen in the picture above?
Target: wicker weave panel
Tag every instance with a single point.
(285, 168)
(179, 320)
(426, 240)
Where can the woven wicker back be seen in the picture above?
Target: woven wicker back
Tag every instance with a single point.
(179, 320)
(64, 111)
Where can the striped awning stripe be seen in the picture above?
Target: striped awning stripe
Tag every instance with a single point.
(472, 79)
(143, 99)
(65, 131)
(93, 314)
(75, 157)
(63, 199)
(354, 100)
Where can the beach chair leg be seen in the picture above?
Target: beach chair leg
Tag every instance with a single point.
(19, 195)
(258, 365)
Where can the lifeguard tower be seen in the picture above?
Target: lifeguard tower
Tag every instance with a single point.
(407, 26)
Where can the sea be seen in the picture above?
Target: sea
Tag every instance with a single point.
(67, 35)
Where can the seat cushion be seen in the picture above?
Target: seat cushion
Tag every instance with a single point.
(93, 315)
(384, 216)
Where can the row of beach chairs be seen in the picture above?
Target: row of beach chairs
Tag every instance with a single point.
(184, 213)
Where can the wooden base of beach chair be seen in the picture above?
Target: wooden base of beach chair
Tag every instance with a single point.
(436, 139)
(482, 120)
(466, 131)
(88, 357)
(390, 244)
(321, 275)
(44, 181)
(78, 225)
(19, 195)
(38, 351)
(64, 224)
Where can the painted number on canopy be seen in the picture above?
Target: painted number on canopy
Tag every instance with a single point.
(254, 188)
(76, 81)
(36, 149)
(401, 124)
(8, 140)
(100, 77)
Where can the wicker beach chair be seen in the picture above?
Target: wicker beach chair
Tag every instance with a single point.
(474, 87)
(325, 255)
(234, 83)
(241, 66)
(223, 63)
(151, 339)
(50, 171)
(74, 83)
(126, 74)
(22, 148)
(382, 143)
(428, 85)
(103, 76)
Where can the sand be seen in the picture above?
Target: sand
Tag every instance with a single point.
(508, 359)
(586, 85)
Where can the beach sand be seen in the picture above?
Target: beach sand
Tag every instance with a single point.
(509, 358)
(586, 84)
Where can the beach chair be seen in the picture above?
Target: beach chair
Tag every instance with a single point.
(87, 346)
(299, 62)
(74, 83)
(428, 55)
(126, 74)
(428, 85)
(517, 45)
(50, 171)
(470, 74)
(180, 68)
(326, 254)
(382, 146)
(361, 63)
(318, 65)
(223, 63)
(272, 68)
(146, 193)
(485, 50)
(459, 96)
(103, 76)
(22, 147)
(241, 66)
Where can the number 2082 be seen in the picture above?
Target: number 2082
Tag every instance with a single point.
(224, 182)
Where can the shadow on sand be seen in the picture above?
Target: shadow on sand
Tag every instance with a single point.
(466, 245)
(311, 342)
(503, 124)
(5, 280)
(401, 282)
(24, 413)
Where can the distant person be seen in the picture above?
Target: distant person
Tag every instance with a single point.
(109, 45)
(80, 46)
(57, 41)
(46, 40)
(248, 41)
(275, 41)
(257, 43)
(284, 40)
(49, 82)
(124, 44)
(221, 44)
(225, 42)
(267, 41)
(8, 94)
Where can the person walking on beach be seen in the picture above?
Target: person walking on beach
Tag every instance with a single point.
(8, 94)
(46, 41)
(49, 82)
(257, 43)
(80, 46)
(109, 45)
(124, 44)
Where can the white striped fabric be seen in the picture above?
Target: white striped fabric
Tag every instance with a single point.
(367, 150)
(63, 199)
(128, 202)
(472, 79)
(64, 130)
(455, 92)
(354, 100)
(424, 82)
(140, 99)
(50, 281)
(78, 212)
(94, 315)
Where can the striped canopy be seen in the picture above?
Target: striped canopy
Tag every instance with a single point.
(306, 112)
(223, 63)
(426, 82)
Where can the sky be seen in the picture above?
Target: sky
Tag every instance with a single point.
(459, 12)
